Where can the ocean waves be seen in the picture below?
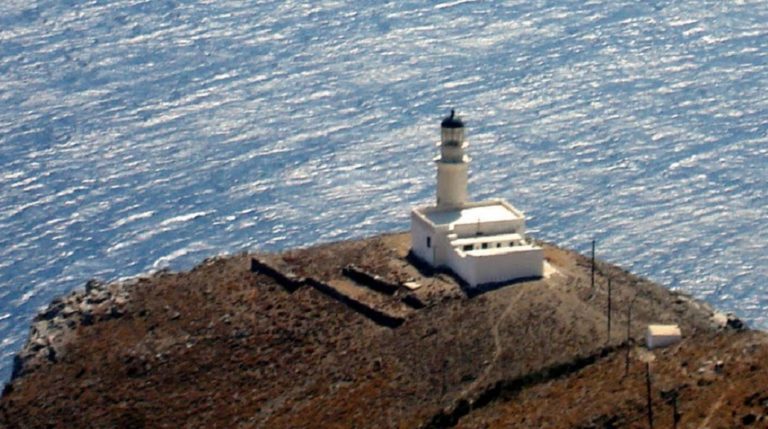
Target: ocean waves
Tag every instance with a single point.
(137, 136)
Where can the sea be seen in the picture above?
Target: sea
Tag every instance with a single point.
(142, 135)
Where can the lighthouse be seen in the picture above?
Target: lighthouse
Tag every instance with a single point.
(452, 163)
(481, 242)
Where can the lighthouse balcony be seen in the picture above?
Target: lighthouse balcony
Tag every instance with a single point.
(452, 159)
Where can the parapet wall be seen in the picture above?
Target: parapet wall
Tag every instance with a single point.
(480, 270)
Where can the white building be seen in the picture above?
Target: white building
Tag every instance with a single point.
(658, 336)
(482, 242)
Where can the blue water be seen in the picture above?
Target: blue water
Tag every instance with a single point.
(138, 135)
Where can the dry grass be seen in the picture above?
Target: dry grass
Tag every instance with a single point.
(221, 347)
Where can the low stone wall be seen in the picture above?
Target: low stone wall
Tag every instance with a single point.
(289, 281)
(462, 407)
(372, 281)
(413, 302)
(378, 316)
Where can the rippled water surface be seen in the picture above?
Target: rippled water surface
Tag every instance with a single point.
(137, 135)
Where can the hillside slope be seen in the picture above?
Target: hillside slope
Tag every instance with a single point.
(222, 346)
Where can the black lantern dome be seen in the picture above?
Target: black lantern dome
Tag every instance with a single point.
(452, 121)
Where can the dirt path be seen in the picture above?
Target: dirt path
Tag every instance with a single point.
(498, 346)
(705, 424)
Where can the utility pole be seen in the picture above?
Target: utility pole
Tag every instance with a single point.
(629, 334)
(593, 266)
(648, 394)
(445, 369)
(675, 414)
(608, 340)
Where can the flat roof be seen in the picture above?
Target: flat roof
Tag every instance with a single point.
(492, 212)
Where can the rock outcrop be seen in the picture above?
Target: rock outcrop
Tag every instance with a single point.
(53, 328)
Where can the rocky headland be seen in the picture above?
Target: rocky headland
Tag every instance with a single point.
(358, 334)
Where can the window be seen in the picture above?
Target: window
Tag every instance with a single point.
(485, 245)
(467, 247)
(498, 245)
(429, 241)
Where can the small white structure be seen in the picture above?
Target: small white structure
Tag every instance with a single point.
(659, 336)
(482, 242)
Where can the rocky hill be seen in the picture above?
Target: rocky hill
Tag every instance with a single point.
(357, 334)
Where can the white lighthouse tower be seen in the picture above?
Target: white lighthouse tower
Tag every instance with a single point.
(481, 242)
(452, 164)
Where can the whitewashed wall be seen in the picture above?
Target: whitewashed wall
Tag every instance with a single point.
(420, 230)
(477, 270)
